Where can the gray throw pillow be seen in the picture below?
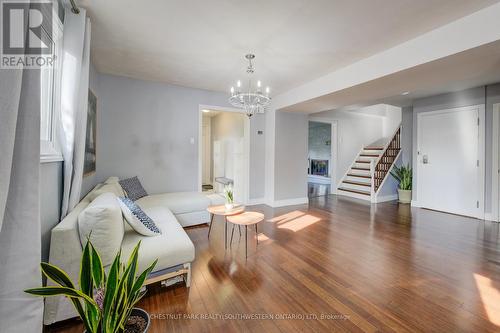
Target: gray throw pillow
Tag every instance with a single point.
(133, 188)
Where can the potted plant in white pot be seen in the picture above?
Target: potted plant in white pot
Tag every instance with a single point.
(104, 302)
(403, 174)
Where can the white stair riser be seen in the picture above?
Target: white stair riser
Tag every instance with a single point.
(356, 187)
(362, 165)
(360, 172)
(358, 179)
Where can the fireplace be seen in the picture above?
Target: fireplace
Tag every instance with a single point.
(319, 167)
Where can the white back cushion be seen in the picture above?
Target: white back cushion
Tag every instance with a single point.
(102, 220)
(114, 188)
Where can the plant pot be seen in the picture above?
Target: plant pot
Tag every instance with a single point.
(404, 196)
(141, 313)
(229, 206)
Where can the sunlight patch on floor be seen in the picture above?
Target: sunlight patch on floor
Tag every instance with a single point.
(294, 221)
(490, 297)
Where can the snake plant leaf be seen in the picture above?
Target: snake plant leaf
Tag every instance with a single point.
(56, 274)
(403, 175)
(111, 286)
(97, 269)
(57, 290)
(132, 267)
(86, 283)
(142, 278)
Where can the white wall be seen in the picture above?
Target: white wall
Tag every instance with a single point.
(355, 130)
(145, 128)
(406, 135)
(392, 120)
(290, 176)
(475, 96)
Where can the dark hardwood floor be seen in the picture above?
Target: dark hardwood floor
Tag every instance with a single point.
(371, 268)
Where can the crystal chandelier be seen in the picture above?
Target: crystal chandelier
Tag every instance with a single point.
(251, 98)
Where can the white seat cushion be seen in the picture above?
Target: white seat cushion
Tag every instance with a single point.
(173, 247)
(102, 222)
(177, 202)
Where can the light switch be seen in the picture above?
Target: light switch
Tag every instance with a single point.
(191, 140)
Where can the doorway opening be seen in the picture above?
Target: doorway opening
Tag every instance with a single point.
(321, 158)
(223, 152)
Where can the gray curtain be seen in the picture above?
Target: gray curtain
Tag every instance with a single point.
(74, 101)
(20, 247)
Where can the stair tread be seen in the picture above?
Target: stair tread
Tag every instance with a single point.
(374, 148)
(358, 175)
(369, 155)
(352, 182)
(354, 191)
(358, 168)
(358, 161)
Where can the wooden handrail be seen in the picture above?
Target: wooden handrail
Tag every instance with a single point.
(386, 159)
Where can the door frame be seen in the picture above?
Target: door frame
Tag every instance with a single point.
(246, 143)
(334, 148)
(495, 165)
(481, 152)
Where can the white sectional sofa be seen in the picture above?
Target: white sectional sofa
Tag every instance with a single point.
(173, 248)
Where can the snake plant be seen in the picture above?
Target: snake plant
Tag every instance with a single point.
(403, 174)
(228, 192)
(103, 301)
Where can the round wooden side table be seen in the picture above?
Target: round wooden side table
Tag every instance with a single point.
(222, 211)
(246, 219)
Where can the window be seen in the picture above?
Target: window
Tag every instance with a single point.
(50, 84)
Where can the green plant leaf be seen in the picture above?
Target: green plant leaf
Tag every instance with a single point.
(131, 269)
(142, 278)
(111, 288)
(56, 274)
(403, 174)
(55, 291)
(86, 284)
(97, 269)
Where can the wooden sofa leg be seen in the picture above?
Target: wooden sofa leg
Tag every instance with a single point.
(188, 274)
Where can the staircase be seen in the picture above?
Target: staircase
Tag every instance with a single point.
(370, 169)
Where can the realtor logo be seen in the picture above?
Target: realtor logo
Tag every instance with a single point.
(27, 28)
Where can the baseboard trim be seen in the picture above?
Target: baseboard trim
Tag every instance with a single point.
(290, 202)
(256, 201)
(490, 217)
(385, 198)
(415, 203)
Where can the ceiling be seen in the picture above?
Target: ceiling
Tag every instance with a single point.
(472, 68)
(201, 44)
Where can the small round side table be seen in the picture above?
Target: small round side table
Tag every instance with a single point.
(222, 211)
(246, 219)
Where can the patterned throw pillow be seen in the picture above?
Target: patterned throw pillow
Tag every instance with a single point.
(133, 188)
(137, 219)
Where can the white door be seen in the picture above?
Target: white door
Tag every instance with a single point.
(449, 160)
